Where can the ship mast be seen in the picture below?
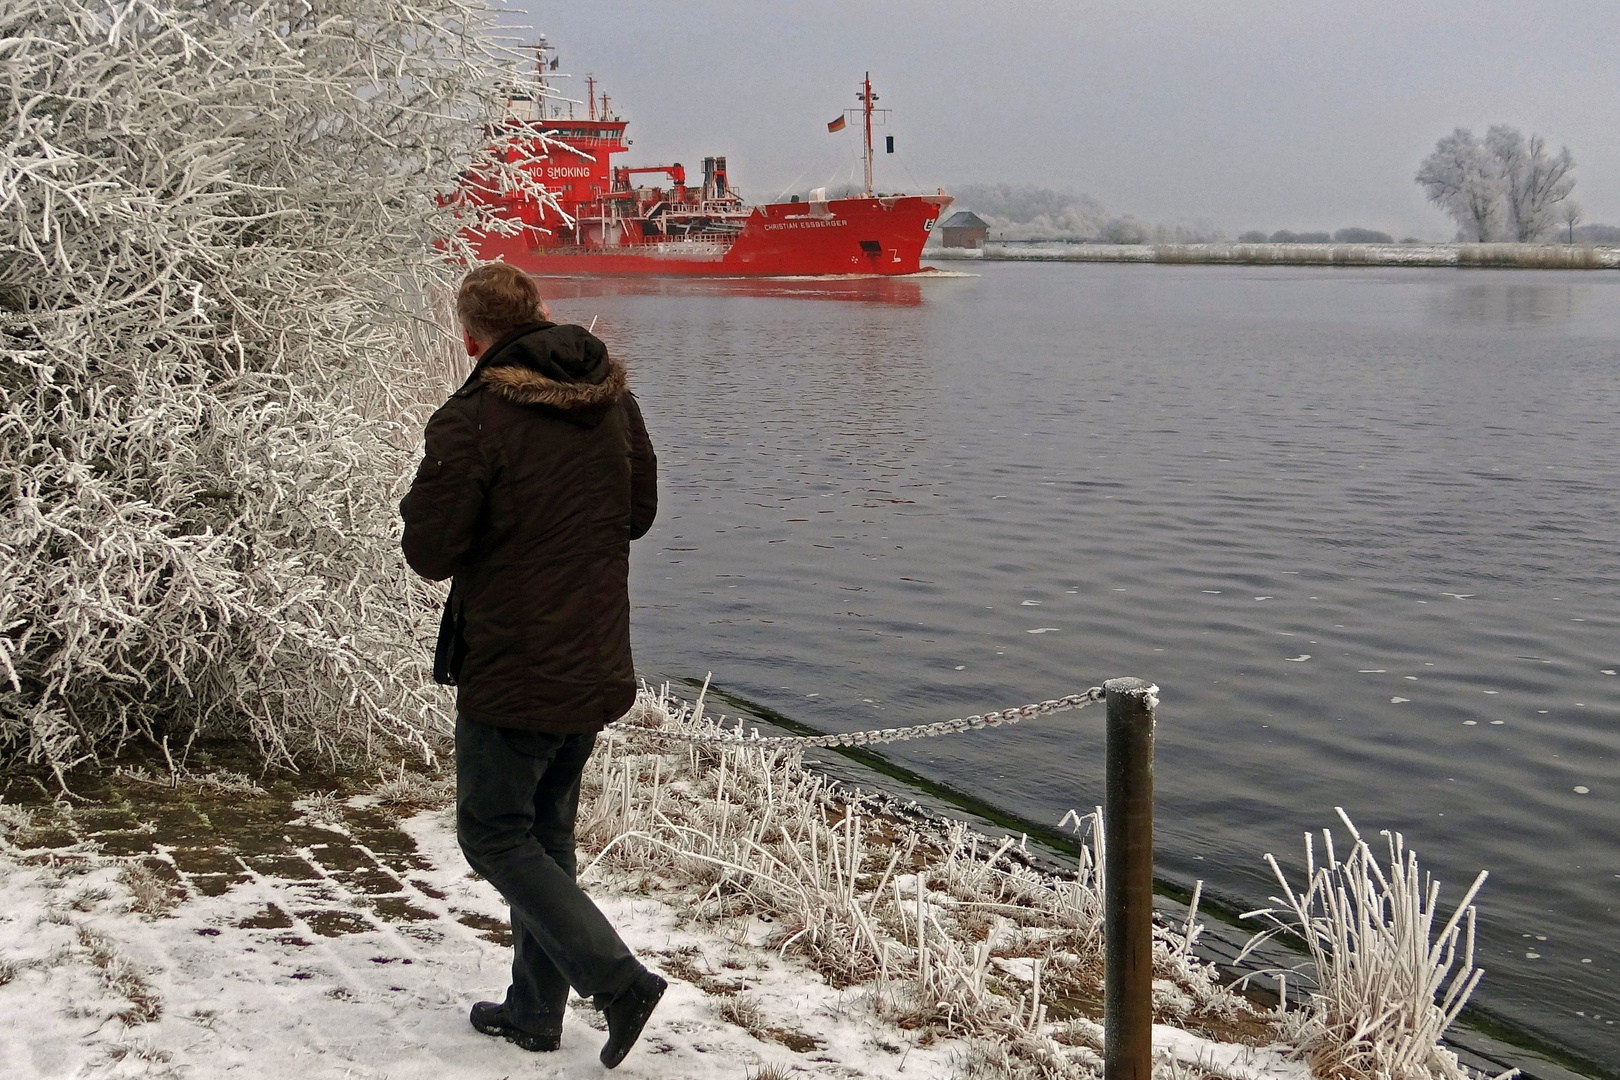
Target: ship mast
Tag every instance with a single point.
(542, 89)
(867, 98)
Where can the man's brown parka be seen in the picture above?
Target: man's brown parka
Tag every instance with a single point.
(535, 477)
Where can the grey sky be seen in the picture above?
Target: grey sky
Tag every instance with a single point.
(1240, 113)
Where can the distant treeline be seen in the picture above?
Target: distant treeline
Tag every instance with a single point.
(1606, 235)
(1343, 236)
(1018, 212)
(1026, 212)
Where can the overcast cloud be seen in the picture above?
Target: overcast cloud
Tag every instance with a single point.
(1296, 114)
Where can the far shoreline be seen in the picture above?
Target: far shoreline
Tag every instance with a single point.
(1460, 256)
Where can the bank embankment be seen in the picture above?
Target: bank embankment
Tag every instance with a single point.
(1497, 256)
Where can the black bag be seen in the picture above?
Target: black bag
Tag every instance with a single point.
(452, 647)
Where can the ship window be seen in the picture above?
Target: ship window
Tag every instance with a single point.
(871, 247)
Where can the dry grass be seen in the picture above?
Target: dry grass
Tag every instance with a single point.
(149, 894)
(323, 809)
(410, 791)
(17, 824)
(122, 978)
(1533, 256)
(215, 782)
(949, 932)
(743, 1012)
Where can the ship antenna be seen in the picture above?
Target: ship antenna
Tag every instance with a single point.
(590, 96)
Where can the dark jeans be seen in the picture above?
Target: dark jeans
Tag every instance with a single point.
(517, 793)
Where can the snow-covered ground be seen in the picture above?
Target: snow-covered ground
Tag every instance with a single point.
(368, 973)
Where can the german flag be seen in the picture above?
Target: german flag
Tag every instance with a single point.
(836, 125)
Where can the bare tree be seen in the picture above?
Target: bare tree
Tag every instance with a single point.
(1570, 213)
(1465, 180)
(1534, 182)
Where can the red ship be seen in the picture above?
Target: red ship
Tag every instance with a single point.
(606, 223)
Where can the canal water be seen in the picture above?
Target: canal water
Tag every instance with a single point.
(1358, 525)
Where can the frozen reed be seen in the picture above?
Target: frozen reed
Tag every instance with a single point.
(1385, 984)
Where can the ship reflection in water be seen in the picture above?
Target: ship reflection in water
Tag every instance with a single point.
(891, 291)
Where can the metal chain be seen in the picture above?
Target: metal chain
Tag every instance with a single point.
(878, 735)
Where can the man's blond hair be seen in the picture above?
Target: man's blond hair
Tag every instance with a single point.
(496, 299)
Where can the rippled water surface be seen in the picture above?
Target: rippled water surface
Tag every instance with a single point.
(1359, 526)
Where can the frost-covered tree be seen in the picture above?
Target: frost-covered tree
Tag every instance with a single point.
(1465, 180)
(218, 230)
(1534, 182)
(1503, 187)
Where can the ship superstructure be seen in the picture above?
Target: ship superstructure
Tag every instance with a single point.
(618, 219)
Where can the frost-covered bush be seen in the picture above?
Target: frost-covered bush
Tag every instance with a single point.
(217, 263)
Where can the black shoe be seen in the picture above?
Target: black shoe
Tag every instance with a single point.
(491, 1019)
(627, 1014)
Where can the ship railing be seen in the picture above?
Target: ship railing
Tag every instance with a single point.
(702, 243)
(710, 209)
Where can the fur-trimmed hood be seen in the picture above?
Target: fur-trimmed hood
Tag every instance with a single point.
(524, 386)
(560, 367)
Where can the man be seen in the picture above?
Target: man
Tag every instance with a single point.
(537, 474)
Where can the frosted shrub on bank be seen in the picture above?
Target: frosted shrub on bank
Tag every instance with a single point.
(1386, 984)
(217, 229)
(946, 931)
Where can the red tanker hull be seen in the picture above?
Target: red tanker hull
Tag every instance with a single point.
(858, 236)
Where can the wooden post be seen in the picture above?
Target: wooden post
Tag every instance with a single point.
(1128, 888)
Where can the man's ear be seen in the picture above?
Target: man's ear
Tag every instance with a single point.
(473, 348)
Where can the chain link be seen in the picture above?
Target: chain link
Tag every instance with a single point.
(877, 735)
